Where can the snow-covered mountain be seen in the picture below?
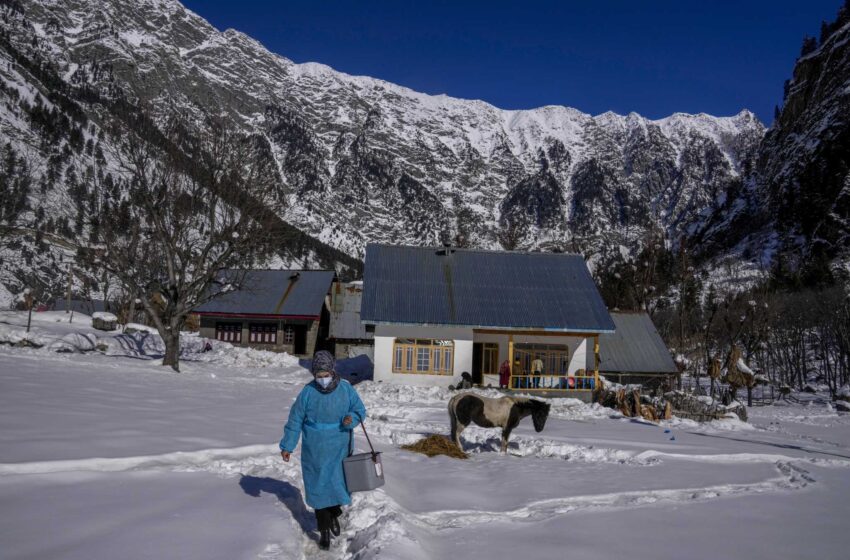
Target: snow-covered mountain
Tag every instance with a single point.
(366, 160)
(803, 168)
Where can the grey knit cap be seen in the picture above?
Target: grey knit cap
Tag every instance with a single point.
(322, 361)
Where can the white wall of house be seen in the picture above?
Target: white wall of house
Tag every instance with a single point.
(579, 354)
(385, 336)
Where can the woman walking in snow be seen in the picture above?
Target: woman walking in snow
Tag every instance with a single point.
(325, 412)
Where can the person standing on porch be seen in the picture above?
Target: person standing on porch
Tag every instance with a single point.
(325, 412)
(537, 371)
(505, 375)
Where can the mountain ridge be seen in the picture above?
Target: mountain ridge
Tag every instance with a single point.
(362, 159)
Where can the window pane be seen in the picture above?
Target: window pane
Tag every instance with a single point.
(423, 359)
(409, 360)
(437, 360)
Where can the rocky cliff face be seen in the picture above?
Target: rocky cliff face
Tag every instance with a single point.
(803, 171)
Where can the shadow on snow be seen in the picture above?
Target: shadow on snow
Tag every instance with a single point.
(287, 494)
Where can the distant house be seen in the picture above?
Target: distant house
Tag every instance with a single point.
(348, 334)
(279, 310)
(635, 352)
(438, 312)
(84, 306)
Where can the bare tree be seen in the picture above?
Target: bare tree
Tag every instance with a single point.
(188, 211)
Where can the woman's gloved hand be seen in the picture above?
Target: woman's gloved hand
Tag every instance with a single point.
(285, 456)
(346, 421)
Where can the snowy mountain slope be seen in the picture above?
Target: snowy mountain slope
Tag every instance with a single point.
(367, 160)
(804, 165)
(52, 118)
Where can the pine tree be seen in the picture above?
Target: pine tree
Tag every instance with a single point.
(825, 31)
(843, 15)
(810, 45)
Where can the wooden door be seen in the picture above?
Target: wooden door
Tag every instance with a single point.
(300, 346)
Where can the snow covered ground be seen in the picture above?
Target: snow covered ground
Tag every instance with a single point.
(106, 454)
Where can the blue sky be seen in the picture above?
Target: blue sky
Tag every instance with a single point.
(654, 57)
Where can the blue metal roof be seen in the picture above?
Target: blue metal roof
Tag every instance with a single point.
(268, 292)
(476, 288)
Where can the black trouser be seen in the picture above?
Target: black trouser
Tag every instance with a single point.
(325, 516)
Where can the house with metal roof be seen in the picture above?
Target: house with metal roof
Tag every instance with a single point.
(440, 311)
(278, 310)
(634, 352)
(348, 335)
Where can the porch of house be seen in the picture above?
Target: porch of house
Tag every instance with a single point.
(568, 362)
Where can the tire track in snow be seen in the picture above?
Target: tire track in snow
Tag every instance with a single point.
(482, 440)
(376, 520)
(730, 458)
(791, 478)
(165, 461)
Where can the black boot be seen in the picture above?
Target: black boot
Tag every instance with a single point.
(325, 539)
(335, 526)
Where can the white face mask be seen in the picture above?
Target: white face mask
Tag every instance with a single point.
(324, 381)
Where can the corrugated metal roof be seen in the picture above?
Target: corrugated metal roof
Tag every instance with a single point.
(635, 347)
(267, 292)
(346, 301)
(497, 289)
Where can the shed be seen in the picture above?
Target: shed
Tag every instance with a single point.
(279, 310)
(349, 335)
(635, 352)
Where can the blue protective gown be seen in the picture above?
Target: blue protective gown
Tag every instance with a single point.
(326, 441)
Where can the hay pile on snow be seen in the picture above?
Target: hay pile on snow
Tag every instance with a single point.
(435, 444)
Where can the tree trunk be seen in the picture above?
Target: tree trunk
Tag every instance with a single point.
(172, 350)
(749, 396)
(131, 314)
